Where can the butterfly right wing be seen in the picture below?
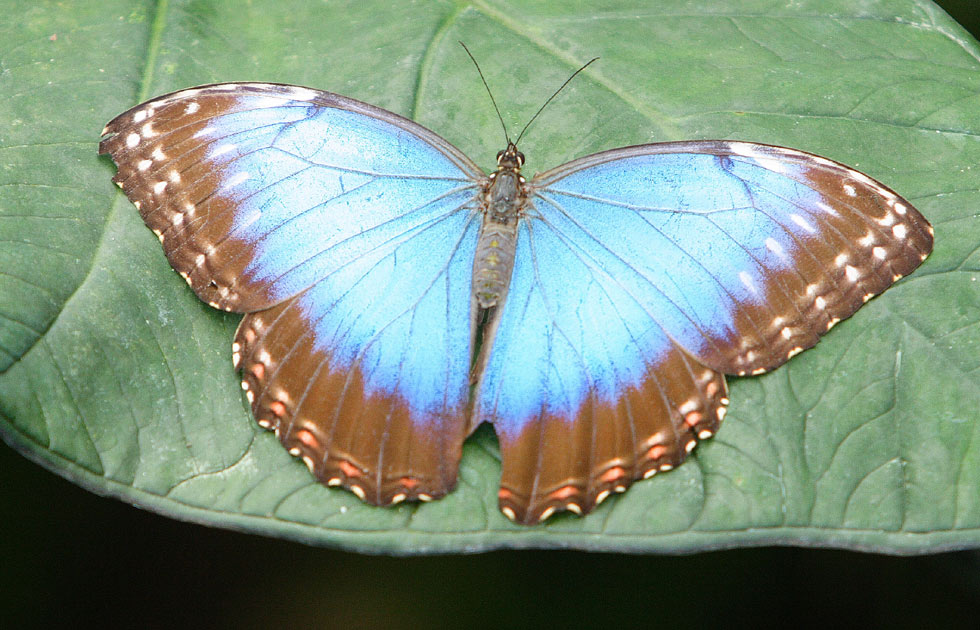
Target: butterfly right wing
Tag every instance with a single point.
(346, 232)
(642, 275)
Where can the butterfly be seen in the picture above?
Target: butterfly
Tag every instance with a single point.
(396, 296)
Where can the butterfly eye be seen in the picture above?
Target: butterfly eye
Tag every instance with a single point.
(520, 159)
(500, 155)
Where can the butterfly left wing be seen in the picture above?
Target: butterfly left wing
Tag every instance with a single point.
(642, 275)
(364, 375)
(346, 233)
(255, 189)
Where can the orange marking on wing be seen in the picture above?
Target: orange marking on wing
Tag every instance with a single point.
(656, 451)
(348, 468)
(613, 474)
(278, 408)
(307, 438)
(408, 482)
(258, 370)
(693, 419)
(564, 492)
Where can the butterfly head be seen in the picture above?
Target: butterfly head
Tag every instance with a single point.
(510, 158)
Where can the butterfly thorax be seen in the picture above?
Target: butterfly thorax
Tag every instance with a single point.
(502, 202)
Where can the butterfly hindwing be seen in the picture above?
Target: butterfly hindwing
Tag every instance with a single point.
(585, 390)
(363, 374)
(347, 234)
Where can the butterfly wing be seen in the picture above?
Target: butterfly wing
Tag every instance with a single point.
(347, 235)
(645, 273)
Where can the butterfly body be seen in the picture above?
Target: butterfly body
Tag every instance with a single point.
(604, 299)
(504, 203)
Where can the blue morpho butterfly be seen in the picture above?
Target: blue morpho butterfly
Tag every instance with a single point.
(396, 296)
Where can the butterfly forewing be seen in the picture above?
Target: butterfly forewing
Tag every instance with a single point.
(743, 253)
(257, 190)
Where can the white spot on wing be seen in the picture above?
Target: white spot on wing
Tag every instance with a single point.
(900, 230)
(265, 101)
(774, 246)
(743, 148)
(159, 187)
(132, 140)
(828, 209)
(771, 164)
(687, 407)
(235, 180)
(747, 281)
(302, 94)
(803, 223)
(864, 179)
(224, 148)
(192, 107)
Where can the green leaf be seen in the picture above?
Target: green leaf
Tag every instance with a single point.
(114, 375)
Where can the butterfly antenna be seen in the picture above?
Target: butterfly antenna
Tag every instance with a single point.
(482, 78)
(567, 81)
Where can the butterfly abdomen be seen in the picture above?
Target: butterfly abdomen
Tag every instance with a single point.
(494, 261)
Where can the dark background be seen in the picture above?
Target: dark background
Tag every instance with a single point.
(68, 557)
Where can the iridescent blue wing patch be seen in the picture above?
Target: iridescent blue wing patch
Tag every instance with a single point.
(346, 233)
